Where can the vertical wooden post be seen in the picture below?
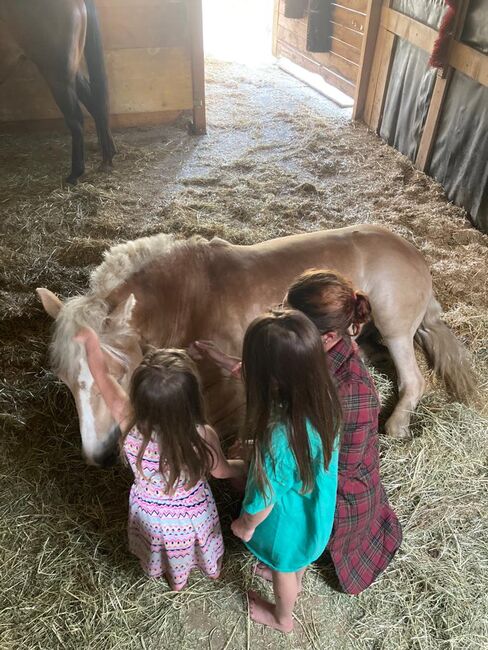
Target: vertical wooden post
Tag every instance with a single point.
(443, 79)
(276, 17)
(195, 19)
(373, 14)
(380, 73)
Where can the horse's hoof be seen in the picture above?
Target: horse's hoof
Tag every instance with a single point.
(106, 166)
(71, 180)
(398, 431)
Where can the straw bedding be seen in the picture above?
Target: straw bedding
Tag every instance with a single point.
(277, 160)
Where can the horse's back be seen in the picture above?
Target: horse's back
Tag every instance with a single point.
(50, 33)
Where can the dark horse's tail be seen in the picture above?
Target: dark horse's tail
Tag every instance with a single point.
(98, 81)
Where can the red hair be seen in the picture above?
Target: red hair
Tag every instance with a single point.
(329, 300)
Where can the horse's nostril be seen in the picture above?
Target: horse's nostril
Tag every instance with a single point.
(109, 461)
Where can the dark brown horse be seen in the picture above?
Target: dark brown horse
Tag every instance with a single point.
(55, 34)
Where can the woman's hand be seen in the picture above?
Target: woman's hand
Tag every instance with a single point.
(200, 349)
(241, 529)
(240, 449)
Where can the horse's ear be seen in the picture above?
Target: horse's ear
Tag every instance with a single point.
(51, 303)
(123, 312)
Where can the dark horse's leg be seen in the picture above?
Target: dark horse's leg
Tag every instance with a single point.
(66, 98)
(101, 119)
(94, 94)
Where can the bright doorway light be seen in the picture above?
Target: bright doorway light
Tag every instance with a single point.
(238, 30)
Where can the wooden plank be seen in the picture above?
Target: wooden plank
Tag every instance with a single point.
(470, 62)
(146, 24)
(366, 60)
(116, 122)
(355, 5)
(426, 143)
(382, 81)
(336, 64)
(139, 80)
(276, 23)
(194, 8)
(149, 80)
(443, 79)
(342, 33)
(409, 29)
(346, 51)
(300, 59)
(347, 18)
(297, 37)
(340, 15)
(373, 80)
(349, 36)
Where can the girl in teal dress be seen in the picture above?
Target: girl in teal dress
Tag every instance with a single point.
(292, 417)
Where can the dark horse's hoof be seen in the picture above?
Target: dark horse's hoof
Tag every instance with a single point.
(106, 166)
(71, 180)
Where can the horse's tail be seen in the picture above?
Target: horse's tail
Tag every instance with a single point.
(449, 358)
(98, 78)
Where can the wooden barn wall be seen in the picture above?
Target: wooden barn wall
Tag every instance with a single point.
(149, 64)
(340, 66)
(438, 118)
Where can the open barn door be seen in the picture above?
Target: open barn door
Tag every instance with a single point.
(324, 37)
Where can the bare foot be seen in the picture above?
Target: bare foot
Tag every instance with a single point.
(263, 612)
(265, 572)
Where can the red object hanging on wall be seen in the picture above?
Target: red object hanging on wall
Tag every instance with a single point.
(440, 52)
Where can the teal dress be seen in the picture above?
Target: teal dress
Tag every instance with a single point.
(297, 530)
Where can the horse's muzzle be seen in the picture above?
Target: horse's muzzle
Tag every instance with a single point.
(110, 453)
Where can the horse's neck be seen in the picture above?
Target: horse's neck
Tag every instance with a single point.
(169, 302)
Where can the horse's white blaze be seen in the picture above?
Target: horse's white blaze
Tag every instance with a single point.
(88, 432)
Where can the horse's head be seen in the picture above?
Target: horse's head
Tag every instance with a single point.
(120, 344)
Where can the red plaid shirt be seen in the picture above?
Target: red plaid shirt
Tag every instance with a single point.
(366, 531)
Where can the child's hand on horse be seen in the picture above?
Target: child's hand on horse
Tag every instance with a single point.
(85, 334)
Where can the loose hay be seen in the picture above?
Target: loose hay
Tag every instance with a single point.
(66, 579)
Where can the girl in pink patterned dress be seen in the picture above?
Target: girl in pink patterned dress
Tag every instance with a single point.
(173, 522)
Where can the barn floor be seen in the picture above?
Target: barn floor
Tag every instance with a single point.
(278, 159)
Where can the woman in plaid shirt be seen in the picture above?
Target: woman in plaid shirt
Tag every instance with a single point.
(366, 533)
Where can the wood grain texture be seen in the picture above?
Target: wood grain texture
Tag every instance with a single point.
(373, 16)
(309, 64)
(382, 83)
(145, 24)
(409, 29)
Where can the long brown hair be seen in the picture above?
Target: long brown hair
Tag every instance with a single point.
(167, 403)
(329, 300)
(287, 381)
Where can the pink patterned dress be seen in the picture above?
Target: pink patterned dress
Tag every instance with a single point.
(171, 534)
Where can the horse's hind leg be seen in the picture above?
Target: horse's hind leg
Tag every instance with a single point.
(101, 120)
(411, 384)
(66, 98)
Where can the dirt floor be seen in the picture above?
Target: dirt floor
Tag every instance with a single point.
(278, 159)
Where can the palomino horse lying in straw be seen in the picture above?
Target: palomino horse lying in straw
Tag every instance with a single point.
(166, 292)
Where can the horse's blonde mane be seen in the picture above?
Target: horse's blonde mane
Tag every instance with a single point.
(76, 312)
(122, 261)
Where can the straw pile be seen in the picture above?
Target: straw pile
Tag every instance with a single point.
(66, 579)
